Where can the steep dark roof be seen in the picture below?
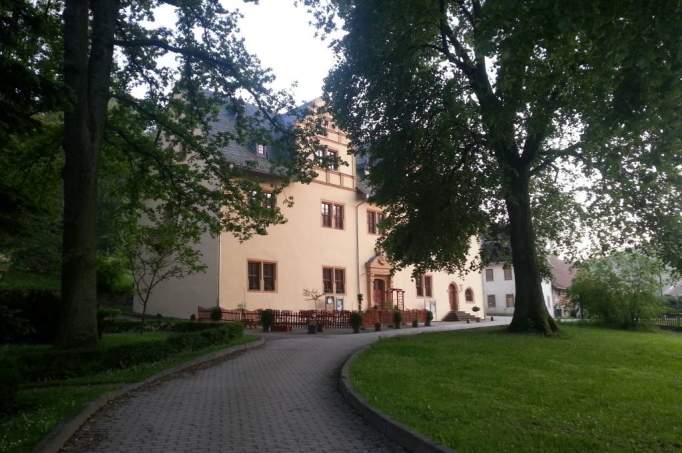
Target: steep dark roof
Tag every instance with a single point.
(563, 273)
(244, 154)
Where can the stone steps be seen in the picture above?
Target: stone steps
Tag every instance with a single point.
(459, 315)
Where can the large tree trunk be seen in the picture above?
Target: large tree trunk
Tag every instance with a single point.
(530, 312)
(87, 77)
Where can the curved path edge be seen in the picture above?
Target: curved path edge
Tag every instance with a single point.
(408, 438)
(54, 441)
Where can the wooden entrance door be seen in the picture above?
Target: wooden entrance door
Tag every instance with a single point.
(452, 294)
(379, 292)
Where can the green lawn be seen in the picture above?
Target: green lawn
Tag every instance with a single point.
(44, 405)
(590, 389)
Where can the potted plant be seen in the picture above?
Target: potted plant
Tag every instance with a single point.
(267, 318)
(312, 325)
(429, 318)
(397, 319)
(415, 323)
(377, 326)
(356, 321)
(476, 309)
(216, 314)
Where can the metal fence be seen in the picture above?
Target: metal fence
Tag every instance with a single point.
(670, 320)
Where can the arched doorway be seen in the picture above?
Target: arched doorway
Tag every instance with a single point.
(452, 295)
(379, 292)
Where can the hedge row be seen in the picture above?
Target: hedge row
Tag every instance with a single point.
(60, 364)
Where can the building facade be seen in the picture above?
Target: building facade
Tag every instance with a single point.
(327, 247)
(499, 290)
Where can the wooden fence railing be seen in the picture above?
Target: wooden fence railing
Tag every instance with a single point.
(300, 319)
(670, 320)
(385, 317)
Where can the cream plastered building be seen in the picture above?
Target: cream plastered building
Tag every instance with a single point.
(326, 246)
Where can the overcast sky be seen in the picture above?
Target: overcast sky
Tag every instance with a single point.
(279, 34)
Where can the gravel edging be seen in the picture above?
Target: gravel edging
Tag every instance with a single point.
(408, 438)
(54, 441)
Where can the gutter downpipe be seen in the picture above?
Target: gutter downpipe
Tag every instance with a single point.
(357, 244)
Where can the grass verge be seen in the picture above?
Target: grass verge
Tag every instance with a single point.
(42, 406)
(590, 389)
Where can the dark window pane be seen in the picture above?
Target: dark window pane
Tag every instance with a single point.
(489, 275)
(327, 283)
(427, 286)
(507, 273)
(420, 287)
(254, 275)
(372, 222)
(338, 217)
(326, 210)
(340, 280)
(269, 276)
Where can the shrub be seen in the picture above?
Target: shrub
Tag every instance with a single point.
(620, 291)
(105, 316)
(12, 326)
(476, 308)
(267, 318)
(190, 326)
(216, 314)
(9, 384)
(192, 317)
(377, 326)
(356, 320)
(58, 364)
(415, 323)
(121, 325)
(429, 318)
(40, 307)
(397, 319)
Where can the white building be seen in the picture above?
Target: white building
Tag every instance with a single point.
(499, 290)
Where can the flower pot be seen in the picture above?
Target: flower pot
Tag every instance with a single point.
(468, 321)
(377, 327)
(312, 328)
(415, 323)
(478, 320)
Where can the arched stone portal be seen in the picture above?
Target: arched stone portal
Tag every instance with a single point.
(453, 298)
(378, 282)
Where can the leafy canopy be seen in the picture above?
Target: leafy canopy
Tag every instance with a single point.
(453, 101)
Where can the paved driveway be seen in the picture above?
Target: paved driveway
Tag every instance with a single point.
(279, 398)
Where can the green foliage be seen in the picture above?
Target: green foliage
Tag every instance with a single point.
(193, 326)
(123, 325)
(415, 323)
(51, 364)
(13, 327)
(397, 319)
(113, 275)
(468, 113)
(216, 314)
(476, 308)
(104, 317)
(622, 290)
(356, 320)
(267, 317)
(38, 306)
(9, 383)
(429, 317)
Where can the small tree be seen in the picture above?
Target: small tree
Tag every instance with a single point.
(314, 296)
(621, 290)
(161, 251)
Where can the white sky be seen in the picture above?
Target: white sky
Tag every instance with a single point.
(279, 35)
